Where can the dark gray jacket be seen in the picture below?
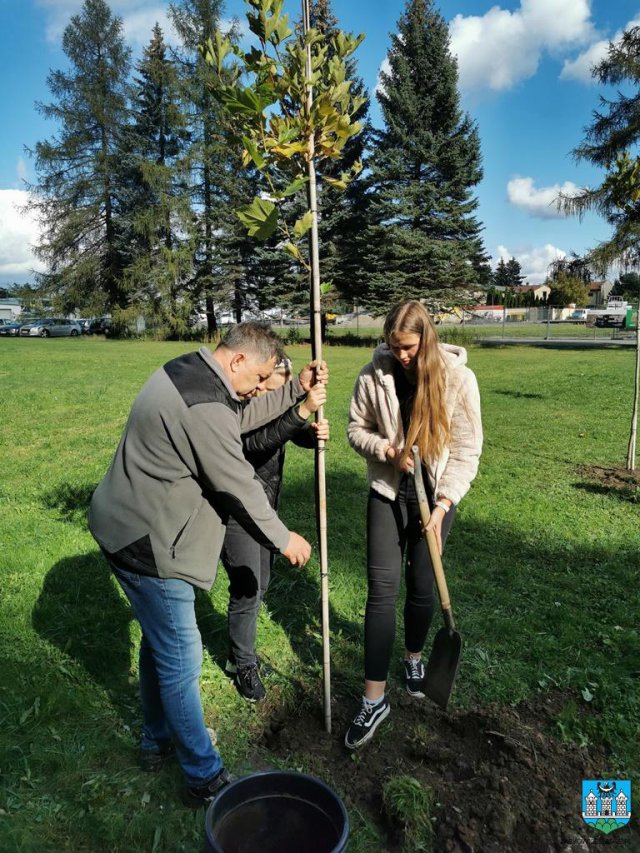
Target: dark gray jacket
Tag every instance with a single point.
(179, 472)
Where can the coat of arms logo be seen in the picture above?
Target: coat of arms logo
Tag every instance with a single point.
(606, 804)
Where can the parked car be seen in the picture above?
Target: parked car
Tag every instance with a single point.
(84, 324)
(100, 326)
(50, 327)
(579, 315)
(9, 328)
(610, 321)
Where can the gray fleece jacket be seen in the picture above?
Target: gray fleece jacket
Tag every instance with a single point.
(179, 472)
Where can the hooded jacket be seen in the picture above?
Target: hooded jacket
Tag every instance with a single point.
(179, 472)
(375, 423)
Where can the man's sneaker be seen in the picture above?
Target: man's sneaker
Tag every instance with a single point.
(195, 796)
(153, 760)
(366, 722)
(414, 677)
(247, 680)
(264, 669)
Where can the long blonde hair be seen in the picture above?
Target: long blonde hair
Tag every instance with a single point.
(429, 426)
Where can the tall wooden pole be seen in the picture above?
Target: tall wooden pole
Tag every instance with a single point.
(316, 346)
(631, 448)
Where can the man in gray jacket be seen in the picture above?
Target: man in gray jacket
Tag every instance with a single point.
(159, 517)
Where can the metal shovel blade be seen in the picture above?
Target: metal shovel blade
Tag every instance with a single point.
(442, 666)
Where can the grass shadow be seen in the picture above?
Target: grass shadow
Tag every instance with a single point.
(80, 611)
(629, 494)
(212, 624)
(519, 395)
(71, 501)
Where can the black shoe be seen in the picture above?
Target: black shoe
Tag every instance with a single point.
(414, 677)
(152, 760)
(264, 669)
(195, 796)
(247, 680)
(366, 722)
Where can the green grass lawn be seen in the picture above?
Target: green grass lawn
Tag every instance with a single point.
(543, 570)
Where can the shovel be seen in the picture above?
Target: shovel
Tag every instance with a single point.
(444, 659)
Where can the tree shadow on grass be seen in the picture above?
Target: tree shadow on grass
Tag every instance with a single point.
(80, 611)
(71, 501)
(630, 494)
(519, 395)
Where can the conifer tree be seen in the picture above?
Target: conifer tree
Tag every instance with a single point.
(76, 194)
(157, 199)
(422, 236)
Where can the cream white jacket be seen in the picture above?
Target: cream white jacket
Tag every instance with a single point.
(375, 423)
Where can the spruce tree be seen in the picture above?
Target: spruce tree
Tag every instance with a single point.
(76, 194)
(514, 272)
(422, 238)
(157, 206)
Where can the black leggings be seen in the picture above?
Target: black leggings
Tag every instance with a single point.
(392, 528)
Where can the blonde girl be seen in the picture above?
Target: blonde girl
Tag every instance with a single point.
(415, 391)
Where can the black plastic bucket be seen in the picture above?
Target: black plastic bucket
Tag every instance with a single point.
(277, 811)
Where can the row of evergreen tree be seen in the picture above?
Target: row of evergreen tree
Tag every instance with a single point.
(137, 189)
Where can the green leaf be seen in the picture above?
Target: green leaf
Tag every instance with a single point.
(293, 250)
(292, 189)
(303, 225)
(334, 182)
(260, 218)
(252, 151)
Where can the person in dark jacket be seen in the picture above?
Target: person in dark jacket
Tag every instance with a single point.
(159, 516)
(247, 562)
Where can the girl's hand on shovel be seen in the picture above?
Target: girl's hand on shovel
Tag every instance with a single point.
(395, 458)
(435, 524)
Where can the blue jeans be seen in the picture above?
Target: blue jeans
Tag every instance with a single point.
(170, 664)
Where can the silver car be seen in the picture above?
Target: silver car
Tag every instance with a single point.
(50, 327)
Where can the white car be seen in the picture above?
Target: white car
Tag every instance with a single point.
(50, 328)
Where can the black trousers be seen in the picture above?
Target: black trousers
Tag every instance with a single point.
(393, 532)
(248, 566)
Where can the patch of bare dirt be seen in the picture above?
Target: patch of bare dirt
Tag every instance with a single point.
(501, 782)
(618, 481)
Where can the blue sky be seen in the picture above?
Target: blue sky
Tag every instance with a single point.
(524, 77)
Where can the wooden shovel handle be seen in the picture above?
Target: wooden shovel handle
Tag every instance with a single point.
(432, 542)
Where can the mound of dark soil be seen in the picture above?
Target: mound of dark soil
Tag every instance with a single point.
(616, 481)
(500, 781)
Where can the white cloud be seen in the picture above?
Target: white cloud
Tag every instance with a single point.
(19, 231)
(534, 260)
(138, 18)
(581, 67)
(138, 26)
(539, 202)
(501, 48)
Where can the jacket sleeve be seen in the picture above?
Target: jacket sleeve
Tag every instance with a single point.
(276, 433)
(260, 410)
(466, 442)
(213, 433)
(305, 437)
(362, 431)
